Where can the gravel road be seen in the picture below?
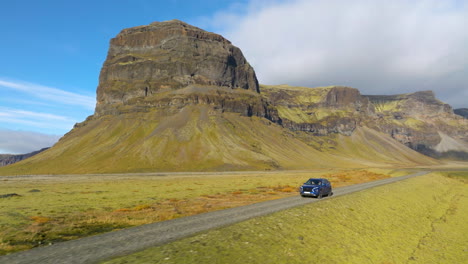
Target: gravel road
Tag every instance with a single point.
(123, 242)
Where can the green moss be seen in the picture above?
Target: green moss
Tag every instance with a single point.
(459, 175)
(414, 123)
(387, 106)
(295, 114)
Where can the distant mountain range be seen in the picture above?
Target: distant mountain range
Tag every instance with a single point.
(173, 97)
(7, 159)
(461, 112)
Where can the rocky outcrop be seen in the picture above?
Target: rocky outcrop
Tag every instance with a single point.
(246, 104)
(341, 97)
(415, 120)
(422, 103)
(320, 111)
(344, 126)
(7, 159)
(156, 60)
(171, 65)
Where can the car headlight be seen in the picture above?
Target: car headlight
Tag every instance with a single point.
(315, 189)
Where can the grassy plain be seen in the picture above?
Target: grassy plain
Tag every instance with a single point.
(419, 220)
(49, 209)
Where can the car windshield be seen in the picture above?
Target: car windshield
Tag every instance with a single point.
(314, 182)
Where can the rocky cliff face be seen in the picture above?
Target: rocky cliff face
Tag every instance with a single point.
(162, 63)
(416, 120)
(171, 65)
(320, 111)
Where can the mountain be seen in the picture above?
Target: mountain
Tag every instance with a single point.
(461, 112)
(7, 159)
(417, 120)
(173, 97)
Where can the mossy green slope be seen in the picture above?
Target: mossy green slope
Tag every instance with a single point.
(194, 139)
(200, 138)
(373, 148)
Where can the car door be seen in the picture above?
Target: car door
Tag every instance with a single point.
(328, 187)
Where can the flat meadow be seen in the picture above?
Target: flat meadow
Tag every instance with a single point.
(46, 209)
(418, 220)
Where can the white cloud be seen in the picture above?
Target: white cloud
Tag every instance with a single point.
(22, 142)
(380, 47)
(33, 107)
(49, 93)
(35, 119)
(28, 114)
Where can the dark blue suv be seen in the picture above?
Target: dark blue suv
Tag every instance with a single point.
(316, 188)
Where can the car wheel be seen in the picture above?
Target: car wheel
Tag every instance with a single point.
(330, 194)
(319, 196)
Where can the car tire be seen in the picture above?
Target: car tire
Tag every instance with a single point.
(330, 194)
(319, 196)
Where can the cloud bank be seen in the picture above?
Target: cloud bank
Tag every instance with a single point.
(22, 142)
(379, 47)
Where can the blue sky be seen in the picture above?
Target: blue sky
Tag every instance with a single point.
(52, 51)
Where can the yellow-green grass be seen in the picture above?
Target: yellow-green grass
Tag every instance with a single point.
(303, 95)
(291, 106)
(387, 106)
(420, 220)
(459, 175)
(57, 208)
(194, 139)
(370, 147)
(298, 115)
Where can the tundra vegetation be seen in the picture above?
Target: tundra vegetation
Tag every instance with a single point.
(50, 209)
(419, 220)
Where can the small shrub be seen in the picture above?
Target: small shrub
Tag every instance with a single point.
(284, 188)
(141, 207)
(122, 210)
(40, 219)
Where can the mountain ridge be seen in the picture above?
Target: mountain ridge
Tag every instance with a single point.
(173, 97)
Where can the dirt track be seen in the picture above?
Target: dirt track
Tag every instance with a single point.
(123, 242)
